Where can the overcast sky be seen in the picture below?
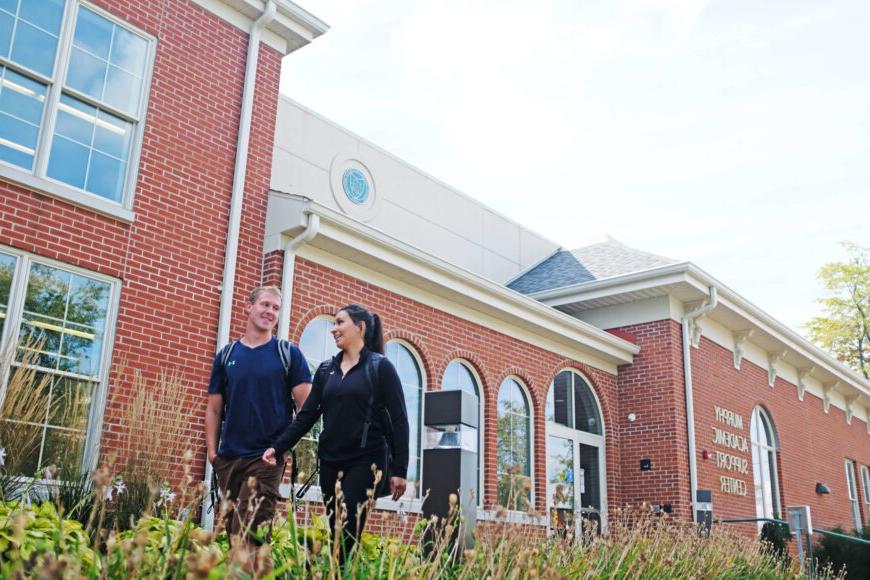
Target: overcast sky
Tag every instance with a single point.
(733, 134)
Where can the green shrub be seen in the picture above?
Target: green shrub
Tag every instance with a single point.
(843, 556)
(775, 537)
(35, 537)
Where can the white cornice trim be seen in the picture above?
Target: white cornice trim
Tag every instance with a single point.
(292, 28)
(692, 275)
(462, 286)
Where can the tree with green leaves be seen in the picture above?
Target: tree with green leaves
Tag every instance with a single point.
(844, 329)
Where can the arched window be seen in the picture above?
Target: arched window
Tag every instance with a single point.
(317, 345)
(570, 402)
(764, 465)
(576, 490)
(514, 446)
(458, 376)
(412, 384)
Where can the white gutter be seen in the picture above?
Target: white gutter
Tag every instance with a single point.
(289, 268)
(399, 254)
(690, 403)
(696, 277)
(238, 196)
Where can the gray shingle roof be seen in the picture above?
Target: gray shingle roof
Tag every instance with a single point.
(593, 262)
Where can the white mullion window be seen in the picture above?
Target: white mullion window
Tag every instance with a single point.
(55, 322)
(317, 345)
(853, 493)
(73, 84)
(865, 483)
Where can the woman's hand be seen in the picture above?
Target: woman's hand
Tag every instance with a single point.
(269, 456)
(397, 487)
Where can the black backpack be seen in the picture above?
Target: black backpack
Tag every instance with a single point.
(372, 370)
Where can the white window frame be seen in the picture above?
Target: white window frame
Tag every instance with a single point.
(37, 179)
(314, 493)
(580, 437)
(770, 452)
(96, 413)
(865, 484)
(527, 395)
(478, 382)
(852, 489)
(411, 504)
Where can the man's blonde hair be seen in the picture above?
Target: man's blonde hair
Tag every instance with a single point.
(255, 294)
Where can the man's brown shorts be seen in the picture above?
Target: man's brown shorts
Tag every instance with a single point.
(251, 505)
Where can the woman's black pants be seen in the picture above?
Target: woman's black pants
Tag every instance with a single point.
(356, 479)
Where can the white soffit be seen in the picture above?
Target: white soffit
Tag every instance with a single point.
(357, 243)
(292, 28)
(689, 284)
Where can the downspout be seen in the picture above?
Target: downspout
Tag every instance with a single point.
(236, 201)
(289, 268)
(690, 403)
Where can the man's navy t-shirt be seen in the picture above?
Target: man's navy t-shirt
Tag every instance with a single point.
(256, 394)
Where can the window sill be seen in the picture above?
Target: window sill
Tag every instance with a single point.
(409, 505)
(67, 193)
(512, 517)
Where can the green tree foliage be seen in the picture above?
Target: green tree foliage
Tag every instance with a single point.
(844, 330)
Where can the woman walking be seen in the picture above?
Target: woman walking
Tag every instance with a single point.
(360, 396)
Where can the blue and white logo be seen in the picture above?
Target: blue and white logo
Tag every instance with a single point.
(355, 185)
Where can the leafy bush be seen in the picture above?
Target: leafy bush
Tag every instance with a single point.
(34, 538)
(843, 556)
(775, 536)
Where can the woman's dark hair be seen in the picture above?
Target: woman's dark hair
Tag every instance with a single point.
(374, 337)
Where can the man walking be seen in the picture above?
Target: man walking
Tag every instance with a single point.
(255, 383)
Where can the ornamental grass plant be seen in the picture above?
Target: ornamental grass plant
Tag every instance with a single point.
(137, 518)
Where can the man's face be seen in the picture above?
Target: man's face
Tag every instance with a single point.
(263, 312)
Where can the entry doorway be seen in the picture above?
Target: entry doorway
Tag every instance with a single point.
(576, 497)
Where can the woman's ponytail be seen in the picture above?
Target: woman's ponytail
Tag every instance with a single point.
(375, 338)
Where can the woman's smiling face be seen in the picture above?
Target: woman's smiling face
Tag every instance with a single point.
(345, 332)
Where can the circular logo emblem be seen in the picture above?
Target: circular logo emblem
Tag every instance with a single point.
(355, 185)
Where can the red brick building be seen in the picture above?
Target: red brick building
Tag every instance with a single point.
(150, 175)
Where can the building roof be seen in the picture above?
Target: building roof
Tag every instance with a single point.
(596, 261)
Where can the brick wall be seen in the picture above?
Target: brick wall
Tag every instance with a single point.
(813, 444)
(170, 259)
(652, 389)
(439, 338)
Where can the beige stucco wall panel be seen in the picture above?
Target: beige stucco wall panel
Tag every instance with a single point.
(308, 147)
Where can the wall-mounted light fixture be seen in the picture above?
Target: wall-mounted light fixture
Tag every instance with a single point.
(822, 489)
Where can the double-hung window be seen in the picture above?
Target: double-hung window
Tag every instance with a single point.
(73, 84)
(852, 488)
(55, 323)
(865, 483)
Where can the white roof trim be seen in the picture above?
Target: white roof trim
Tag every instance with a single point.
(476, 291)
(689, 273)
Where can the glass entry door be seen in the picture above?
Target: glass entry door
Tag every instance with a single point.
(562, 485)
(573, 482)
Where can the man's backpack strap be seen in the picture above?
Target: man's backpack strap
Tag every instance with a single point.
(226, 352)
(286, 353)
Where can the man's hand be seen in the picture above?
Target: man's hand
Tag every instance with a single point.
(269, 456)
(211, 456)
(397, 487)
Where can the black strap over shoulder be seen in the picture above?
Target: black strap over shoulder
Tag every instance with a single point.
(227, 351)
(372, 370)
